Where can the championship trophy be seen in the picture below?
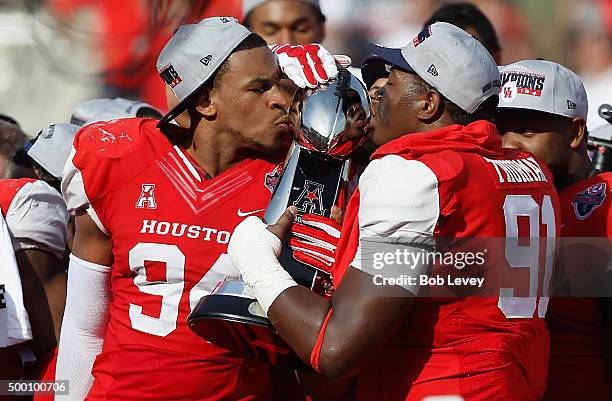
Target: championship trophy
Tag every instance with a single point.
(330, 122)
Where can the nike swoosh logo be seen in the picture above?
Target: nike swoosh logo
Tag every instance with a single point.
(244, 214)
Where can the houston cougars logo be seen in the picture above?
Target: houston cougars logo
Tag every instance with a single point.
(310, 200)
(587, 201)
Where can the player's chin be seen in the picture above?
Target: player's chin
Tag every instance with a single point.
(278, 146)
(377, 137)
(283, 134)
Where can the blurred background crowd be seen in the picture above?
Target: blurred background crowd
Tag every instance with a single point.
(57, 53)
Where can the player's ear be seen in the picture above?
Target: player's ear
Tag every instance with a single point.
(204, 103)
(430, 106)
(578, 132)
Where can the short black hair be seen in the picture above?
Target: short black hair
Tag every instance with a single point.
(486, 111)
(252, 41)
(467, 15)
(246, 20)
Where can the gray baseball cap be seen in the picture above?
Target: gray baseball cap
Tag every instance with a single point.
(545, 86)
(194, 53)
(249, 5)
(104, 109)
(451, 60)
(52, 147)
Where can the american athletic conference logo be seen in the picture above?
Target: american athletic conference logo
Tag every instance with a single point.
(310, 200)
(147, 197)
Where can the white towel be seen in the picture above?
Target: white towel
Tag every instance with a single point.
(14, 322)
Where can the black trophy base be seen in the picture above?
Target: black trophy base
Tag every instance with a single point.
(238, 324)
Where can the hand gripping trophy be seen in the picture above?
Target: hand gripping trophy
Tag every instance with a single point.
(330, 121)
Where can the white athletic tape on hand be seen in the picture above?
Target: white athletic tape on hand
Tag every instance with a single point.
(254, 251)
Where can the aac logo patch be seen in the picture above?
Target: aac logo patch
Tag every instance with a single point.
(310, 200)
(590, 199)
(147, 197)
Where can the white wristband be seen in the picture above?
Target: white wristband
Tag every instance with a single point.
(254, 252)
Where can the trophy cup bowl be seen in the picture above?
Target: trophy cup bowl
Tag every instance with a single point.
(330, 122)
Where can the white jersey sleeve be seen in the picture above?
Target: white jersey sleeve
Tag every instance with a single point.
(398, 198)
(37, 219)
(73, 190)
(398, 205)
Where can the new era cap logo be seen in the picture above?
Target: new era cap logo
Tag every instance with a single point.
(571, 105)
(432, 70)
(206, 60)
(170, 76)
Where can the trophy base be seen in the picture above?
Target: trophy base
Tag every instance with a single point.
(238, 323)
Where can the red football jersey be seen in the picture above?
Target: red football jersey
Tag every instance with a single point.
(577, 349)
(459, 183)
(170, 227)
(8, 190)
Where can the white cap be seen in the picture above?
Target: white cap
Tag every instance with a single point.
(543, 86)
(451, 60)
(249, 5)
(52, 147)
(105, 109)
(194, 53)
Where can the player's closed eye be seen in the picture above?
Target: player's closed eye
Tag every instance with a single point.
(526, 131)
(262, 88)
(270, 29)
(305, 27)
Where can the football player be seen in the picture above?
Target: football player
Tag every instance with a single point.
(36, 219)
(156, 206)
(439, 175)
(287, 21)
(543, 110)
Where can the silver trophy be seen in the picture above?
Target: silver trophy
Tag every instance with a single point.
(330, 122)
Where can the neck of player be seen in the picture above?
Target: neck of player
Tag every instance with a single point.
(216, 152)
(579, 168)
